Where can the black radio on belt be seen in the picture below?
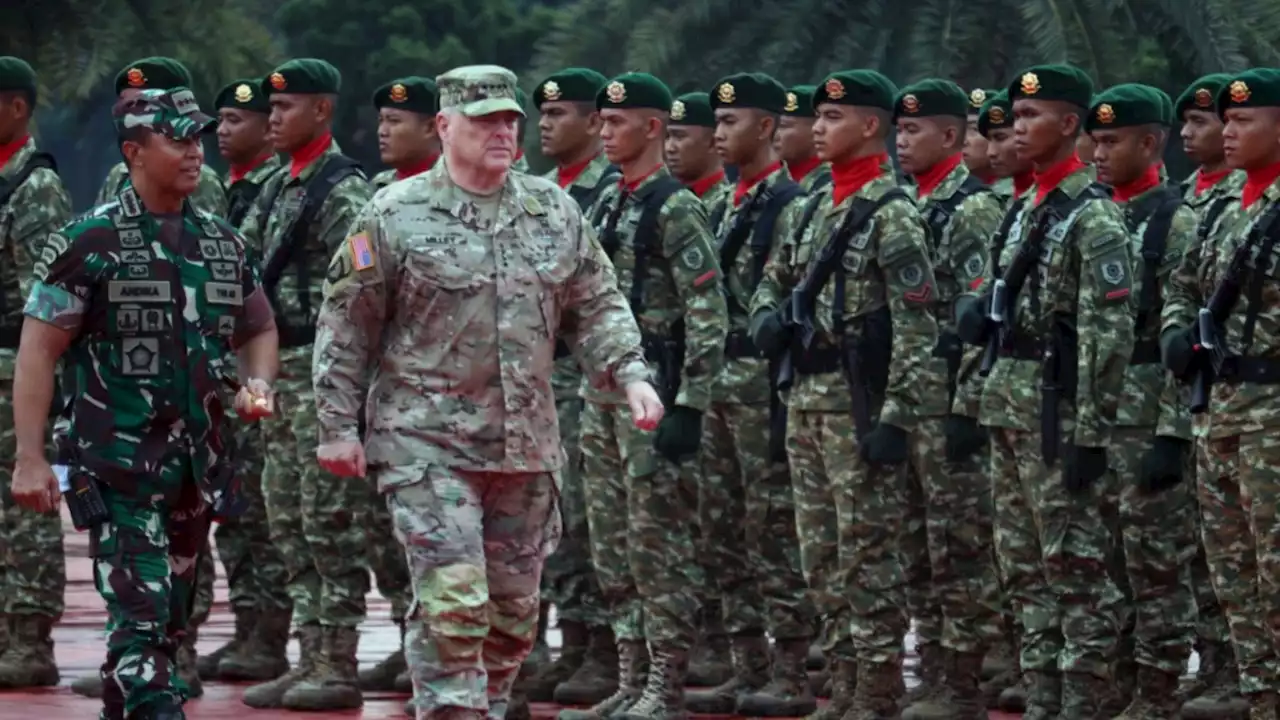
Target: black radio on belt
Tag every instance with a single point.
(84, 500)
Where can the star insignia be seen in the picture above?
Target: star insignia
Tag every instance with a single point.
(677, 110)
(1030, 83)
(793, 103)
(725, 93)
(616, 92)
(551, 90)
(977, 97)
(244, 93)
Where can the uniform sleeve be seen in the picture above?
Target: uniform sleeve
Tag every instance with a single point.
(358, 289)
(968, 257)
(690, 254)
(45, 208)
(1175, 413)
(210, 195)
(341, 209)
(1104, 320)
(910, 290)
(257, 316)
(63, 284)
(778, 278)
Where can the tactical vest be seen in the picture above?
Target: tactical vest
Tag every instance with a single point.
(240, 198)
(1158, 213)
(11, 332)
(939, 214)
(587, 196)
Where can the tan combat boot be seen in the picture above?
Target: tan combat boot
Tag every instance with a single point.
(335, 683)
(787, 693)
(596, 677)
(663, 695)
(28, 661)
(270, 694)
(633, 669)
(749, 657)
(264, 655)
(207, 665)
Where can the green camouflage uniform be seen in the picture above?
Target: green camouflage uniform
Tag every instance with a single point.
(468, 455)
(817, 177)
(210, 195)
(383, 179)
(521, 164)
(1003, 188)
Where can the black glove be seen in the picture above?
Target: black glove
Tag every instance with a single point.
(885, 445)
(1177, 350)
(1164, 464)
(1083, 466)
(769, 333)
(972, 324)
(964, 437)
(679, 434)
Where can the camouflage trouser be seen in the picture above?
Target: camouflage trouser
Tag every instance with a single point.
(319, 522)
(1239, 496)
(386, 558)
(476, 543)
(849, 517)
(1055, 549)
(570, 580)
(144, 568)
(639, 510)
(33, 572)
(1211, 623)
(952, 591)
(1010, 496)
(1158, 542)
(747, 518)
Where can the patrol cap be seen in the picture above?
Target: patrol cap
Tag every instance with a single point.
(1060, 82)
(865, 88)
(153, 72)
(978, 97)
(1201, 94)
(931, 97)
(749, 90)
(479, 90)
(16, 74)
(172, 113)
(414, 93)
(572, 84)
(1257, 87)
(1125, 105)
(304, 76)
(996, 113)
(633, 91)
(243, 94)
(693, 109)
(799, 101)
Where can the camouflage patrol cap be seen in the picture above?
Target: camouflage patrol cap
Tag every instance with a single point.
(414, 93)
(1060, 82)
(749, 90)
(865, 88)
(16, 74)
(977, 98)
(172, 113)
(634, 91)
(931, 97)
(569, 85)
(243, 94)
(476, 90)
(693, 109)
(1126, 105)
(996, 113)
(1258, 87)
(1201, 95)
(153, 72)
(799, 102)
(303, 76)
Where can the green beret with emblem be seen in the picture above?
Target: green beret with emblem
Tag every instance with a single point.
(573, 84)
(304, 76)
(633, 91)
(1258, 87)
(931, 97)
(160, 73)
(1201, 94)
(693, 109)
(16, 74)
(996, 113)
(414, 93)
(864, 88)
(749, 90)
(799, 101)
(1060, 83)
(1125, 105)
(977, 98)
(243, 94)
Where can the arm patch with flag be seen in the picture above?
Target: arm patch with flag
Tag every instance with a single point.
(361, 251)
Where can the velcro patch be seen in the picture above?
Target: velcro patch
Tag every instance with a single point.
(361, 251)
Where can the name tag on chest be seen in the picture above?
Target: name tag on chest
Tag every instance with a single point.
(218, 293)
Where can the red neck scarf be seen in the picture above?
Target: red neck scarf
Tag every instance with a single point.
(239, 171)
(629, 186)
(745, 184)
(8, 151)
(1144, 182)
(800, 170)
(850, 176)
(1022, 181)
(929, 180)
(308, 153)
(418, 169)
(1048, 180)
(1206, 180)
(701, 187)
(1257, 183)
(566, 174)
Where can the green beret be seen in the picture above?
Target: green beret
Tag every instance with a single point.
(160, 73)
(749, 90)
(866, 88)
(304, 76)
(996, 113)
(1063, 83)
(634, 90)
(413, 93)
(978, 97)
(16, 74)
(693, 109)
(1125, 105)
(800, 101)
(243, 94)
(1166, 106)
(1258, 87)
(931, 97)
(1201, 94)
(570, 85)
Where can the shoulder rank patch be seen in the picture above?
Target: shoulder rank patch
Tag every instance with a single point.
(361, 251)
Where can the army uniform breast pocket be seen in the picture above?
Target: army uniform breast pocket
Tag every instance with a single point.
(140, 321)
(450, 263)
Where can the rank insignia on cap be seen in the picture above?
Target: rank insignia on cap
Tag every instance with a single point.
(244, 93)
(677, 110)
(551, 90)
(725, 93)
(278, 82)
(398, 93)
(977, 97)
(136, 78)
(910, 103)
(361, 251)
(1204, 98)
(616, 92)
(1106, 114)
(792, 103)
(1239, 91)
(834, 89)
(996, 115)
(1030, 83)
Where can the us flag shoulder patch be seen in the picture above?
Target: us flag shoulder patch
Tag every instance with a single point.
(361, 251)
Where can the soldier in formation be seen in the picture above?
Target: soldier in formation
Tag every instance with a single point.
(407, 139)
(690, 148)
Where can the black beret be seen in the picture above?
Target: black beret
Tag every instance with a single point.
(749, 90)
(866, 88)
(304, 76)
(693, 109)
(996, 113)
(413, 93)
(800, 101)
(160, 73)
(978, 97)
(1125, 105)
(570, 85)
(931, 97)
(1063, 83)
(635, 90)
(1258, 87)
(245, 94)
(1201, 94)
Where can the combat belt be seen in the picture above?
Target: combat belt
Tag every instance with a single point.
(11, 331)
(586, 197)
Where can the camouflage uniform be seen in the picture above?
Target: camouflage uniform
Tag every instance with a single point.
(818, 177)
(469, 479)
(123, 357)
(521, 164)
(210, 196)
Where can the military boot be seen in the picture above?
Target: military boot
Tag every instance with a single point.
(1043, 695)
(1215, 693)
(958, 696)
(335, 683)
(787, 692)
(878, 693)
(633, 669)
(709, 662)
(270, 694)
(844, 682)
(1155, 696)
(382, 677)
(185, 662)
(597, 676)
(207, 665)
(264, 655)
(28, 661)
(749, 656)
(663, 695)
(541, 685)
(929, 672)
(1084, 696)
(819, 682)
